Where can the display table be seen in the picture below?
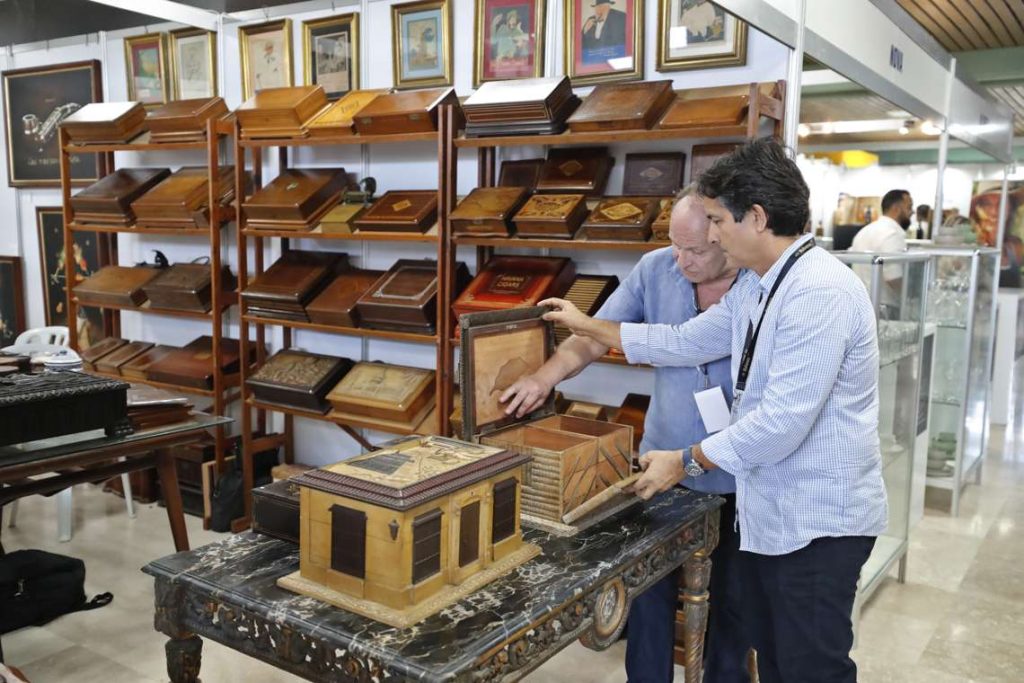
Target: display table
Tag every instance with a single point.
(579, 588)
(1009, 348)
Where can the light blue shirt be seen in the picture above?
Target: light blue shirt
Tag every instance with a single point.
(803, 443)
(656, 292)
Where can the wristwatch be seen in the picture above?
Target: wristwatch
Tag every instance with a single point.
(691, 466)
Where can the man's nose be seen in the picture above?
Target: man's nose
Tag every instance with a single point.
(713, 234)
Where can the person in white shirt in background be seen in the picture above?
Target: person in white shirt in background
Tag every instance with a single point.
(887, 235)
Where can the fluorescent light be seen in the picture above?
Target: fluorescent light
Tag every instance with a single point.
(803, 130)
(929, 128)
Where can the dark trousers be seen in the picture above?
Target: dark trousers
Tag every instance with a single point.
(798, 608)
(651, 630)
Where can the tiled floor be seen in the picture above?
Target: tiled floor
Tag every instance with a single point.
(959, 617)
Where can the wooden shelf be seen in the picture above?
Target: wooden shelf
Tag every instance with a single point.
(132, 230)
(348, 331)
(604, 137)
(429, 237)
(341, 140)
(174, 313)
(230, 381)
(139, 144)
(582, 244)
(423, 427)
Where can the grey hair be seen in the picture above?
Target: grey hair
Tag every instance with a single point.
(688, 191)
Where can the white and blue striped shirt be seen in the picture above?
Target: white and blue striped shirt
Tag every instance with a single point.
(803, 444)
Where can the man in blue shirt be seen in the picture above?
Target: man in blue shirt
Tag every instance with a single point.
(803, 436)
(669, 286)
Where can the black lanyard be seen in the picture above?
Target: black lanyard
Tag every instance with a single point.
(754, 332)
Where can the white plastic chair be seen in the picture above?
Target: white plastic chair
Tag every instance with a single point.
(42, 340)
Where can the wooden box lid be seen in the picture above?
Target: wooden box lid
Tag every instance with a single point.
(295, 370)
(187, 117)
(296, 277)
(339, 298)
(101, 348)
(296, 194)
(115, 192)
(706, 112)
(489, 204)
(382, 387)
(516, 281)
(188, 278)
(520, 173)
(116, 282)
(184, 192)
(628, 212)
(520, 100)
(414, 210)
(339, 117)
(106, 122)
(576, 169)
(550, 207)
(622, 106)
(653, 174)
(112, 362)
(273, 111)
(404, 104)
(196, 358)
(137, 366)
(408, 283)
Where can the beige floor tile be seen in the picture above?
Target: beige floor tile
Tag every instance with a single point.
(938, 559)
(975, 618)
(978, 659)
(911, 599)
(81, 665)
(892, 637)
(30, 644)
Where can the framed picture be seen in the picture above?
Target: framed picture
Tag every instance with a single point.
(266, 56)
(603, 40)
(88, 259)
(421, 40)
(509, 40)
(36, 100)
(697, 34)
(12, 300)
(145, 59)
(193, 63)
(330, 53)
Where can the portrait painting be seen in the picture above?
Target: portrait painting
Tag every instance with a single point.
(145, 64)
(604, 40)
(266, 56)
(331, 54)
(12, 300)
(509, 40)
(698, 34)
(422, 44)
(193, 64)
(36, 100)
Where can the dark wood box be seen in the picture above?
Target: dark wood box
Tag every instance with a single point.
(551, 216)
(193, 365)
(625, 219)
(381, 391)
(524, 100)
(280, 112)
(515, 282)
(275, 510)
(405, 298)
(520, 173)
(704, 157)
(109, 200)
(101, 348)
(112, 363)
(708, 112)
(184, 120)
(576, 169)
(53, 404)
(115, 286)
(182, 200)
(488, 211)
(400, 211)
(411, 111)
(186, 287)
(298, 379)
(293, 281)
(622, 106)
(336, 304)
(655, 174)
(297, 199)
(106, 123)
(588, 293)
(136, 368)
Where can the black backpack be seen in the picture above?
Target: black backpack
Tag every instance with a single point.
(36, 587)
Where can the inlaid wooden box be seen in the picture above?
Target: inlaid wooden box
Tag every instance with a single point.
(576, 169)
(488, 211)
(660, 225)
(704, 157)
(298, 379)
(390, 393)
(626, 219)
(106, 123)
(551, 216)
(515, 282)
(280, 112)
(405, 298)
(653, 174)
(339, 117)
(622, 106)
(572, 458)
(411, 111)
(400, 211)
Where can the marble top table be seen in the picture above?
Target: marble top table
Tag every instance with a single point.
(578, 588)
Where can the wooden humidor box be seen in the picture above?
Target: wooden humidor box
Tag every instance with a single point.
(275, 510)
(193, 366)
(524, 100)
(551, 216)
(339, 117)
(186, 287)
(707, 112)
(704, 157)
(520, 173)
(622, 106)
(183, 199)
(576, 169)
(515, 282)
(405, 298)
(572, 458)
(588, 293)
(488, 211)
(136, 368)
(101, 348)
(336, 304)
(115, 286)
(106, 123)
(108, 201)
(298, 379)
(626, 219)
(296, 199)
(184, 120)
(411, 111)
(393, 393)
(112, 363)
(280, 112)
(292, 282)
(654, 174)
(660, 225)
(400, 211)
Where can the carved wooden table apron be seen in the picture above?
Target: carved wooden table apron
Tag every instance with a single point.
(579, 588)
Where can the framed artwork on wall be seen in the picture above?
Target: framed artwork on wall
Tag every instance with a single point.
(697, 34)
(421, 42)
(12, 300)
(266, 56)
(193, 55)
(145, 59)
(509, 40)
(88, 257)
(603, 40)
(330, 54)
(36, 100)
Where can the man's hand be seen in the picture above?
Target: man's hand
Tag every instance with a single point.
(526, 395)
(604, 332)
(662, 471)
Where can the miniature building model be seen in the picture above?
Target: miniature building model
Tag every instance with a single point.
(397, 534)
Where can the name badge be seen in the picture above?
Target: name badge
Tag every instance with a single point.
(713, 408)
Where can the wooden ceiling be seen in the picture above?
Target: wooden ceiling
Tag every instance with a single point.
(1013, 96)
(970, 24)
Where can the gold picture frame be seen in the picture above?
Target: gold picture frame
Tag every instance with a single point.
(428, 63)
(500, 57)
(709, 37)
(184, 47)
(617, 54)
(274, 68)
(145, 63)
(321, 35)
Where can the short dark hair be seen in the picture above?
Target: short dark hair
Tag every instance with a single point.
(923, 211)
(892, 198)
(760, 173)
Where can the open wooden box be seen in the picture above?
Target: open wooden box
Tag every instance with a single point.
(573, 458)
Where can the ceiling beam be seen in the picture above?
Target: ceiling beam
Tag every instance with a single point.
(168, 10)
(998, 66)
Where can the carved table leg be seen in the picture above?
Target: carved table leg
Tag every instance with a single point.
(696, 575)
(184, 657)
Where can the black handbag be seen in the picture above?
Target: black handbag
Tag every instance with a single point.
(36, 587)
(226, 501)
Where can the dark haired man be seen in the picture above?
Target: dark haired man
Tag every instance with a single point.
(803, 437)
(887, 234)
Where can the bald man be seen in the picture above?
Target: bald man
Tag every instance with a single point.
(669, 285)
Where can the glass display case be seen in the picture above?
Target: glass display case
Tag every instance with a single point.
(961, 304)
(898, 285)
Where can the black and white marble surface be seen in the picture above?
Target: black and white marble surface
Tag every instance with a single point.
(241, 572)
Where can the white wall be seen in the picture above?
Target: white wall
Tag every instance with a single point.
(395, 167)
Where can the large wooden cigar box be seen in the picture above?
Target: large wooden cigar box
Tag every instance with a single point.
(405, 298)
(293, 281)
(573, 458)
(706, 112)
(551, 215)
(182, 200)
(339, 118)
(411, 111)
(298, 379)
(400, 211)
(184, 120)
(297, 199)
(193, 365)
(136, 368)
(275, 510)
(660, 226)
(521, 100)
(280, 112)
(106, 123)
(621, 218)
(109, 200)
(394, 393)
(515, 282)
(633, 412)
(655, 174)
(704, 157)
(186, 287)
(622, 106)
(588, 293)
(336, 304)
(576, 169)
(520, 173)
(488, 211)
(101, 348)
(115, 286)
(112, 363)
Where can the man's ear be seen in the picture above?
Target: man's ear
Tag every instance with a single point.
(759, 217)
